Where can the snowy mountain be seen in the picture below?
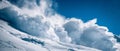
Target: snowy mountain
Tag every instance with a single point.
(32, 25)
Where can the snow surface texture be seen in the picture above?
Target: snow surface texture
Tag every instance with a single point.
(41, 28)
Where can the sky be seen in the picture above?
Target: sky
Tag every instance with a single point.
(107, 12)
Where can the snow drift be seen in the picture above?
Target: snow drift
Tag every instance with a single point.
(37, 18)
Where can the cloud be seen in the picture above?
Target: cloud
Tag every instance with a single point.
(90, 34)
(4, 4)
(37, 18)
(74, 27)
(95, 37)
(30, 20)
(62, 34)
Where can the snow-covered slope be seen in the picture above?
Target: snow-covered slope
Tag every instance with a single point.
(14, 40)
(8, 42)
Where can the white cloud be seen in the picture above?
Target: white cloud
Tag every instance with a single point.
(74, 27)
(56, 20)
(31, 20)
(62, 34)
(4, 4)
(90, 34)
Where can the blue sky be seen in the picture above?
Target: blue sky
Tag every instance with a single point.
(106, 11)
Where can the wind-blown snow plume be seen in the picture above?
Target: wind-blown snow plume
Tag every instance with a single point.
(37, 18)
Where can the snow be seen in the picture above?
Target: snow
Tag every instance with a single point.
(8, 42)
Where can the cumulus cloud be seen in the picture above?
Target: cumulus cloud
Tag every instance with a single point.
(74, 27)
(37, 18)
(90, 34)
(62, 34)
(30, 20)
(96, 36)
